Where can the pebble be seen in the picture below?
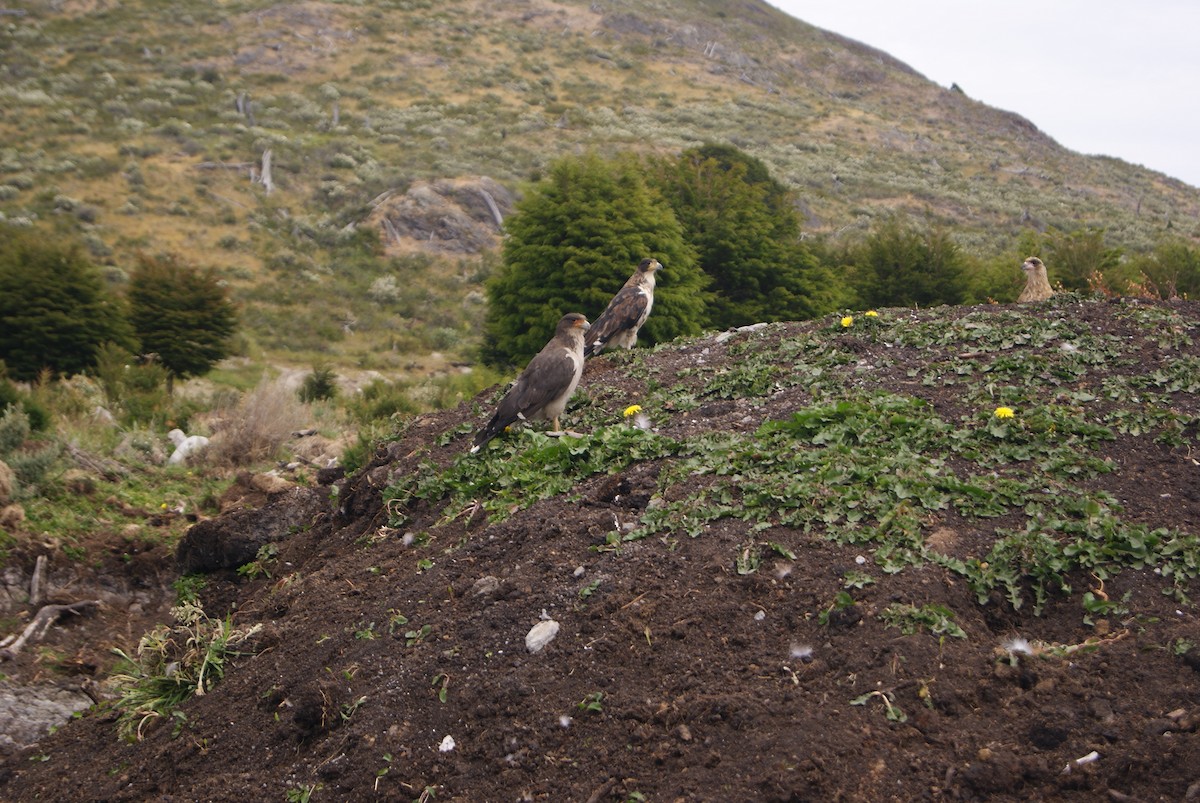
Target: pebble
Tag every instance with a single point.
(540, 635)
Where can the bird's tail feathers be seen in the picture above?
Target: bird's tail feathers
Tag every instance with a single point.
(493, 428)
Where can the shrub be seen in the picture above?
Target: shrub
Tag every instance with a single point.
(319, 385)
(257, 427)
(39, 417)
(55, 309)
(30, 460)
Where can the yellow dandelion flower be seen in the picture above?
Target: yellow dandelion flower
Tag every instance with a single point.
(1004, 412)
(871, 313)
(163, 506)
(633, 409)
(848, 321)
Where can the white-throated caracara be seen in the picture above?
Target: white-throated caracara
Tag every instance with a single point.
(1037, 285)
(543, 389)
(618, 325)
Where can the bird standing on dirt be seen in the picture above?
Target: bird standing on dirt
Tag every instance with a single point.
(543, 389)
(618, 325)
(1037, 286)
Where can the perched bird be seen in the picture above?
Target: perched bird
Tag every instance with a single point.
(618, 325)
(543, 389)
(1037, 286)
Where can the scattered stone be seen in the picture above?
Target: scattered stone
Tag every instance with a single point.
(485, 585)
(540, 635)
(28, 712)
(186, 446)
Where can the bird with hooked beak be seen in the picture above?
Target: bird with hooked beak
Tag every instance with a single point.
(618, 325)
(543, 389)
(1037, 285)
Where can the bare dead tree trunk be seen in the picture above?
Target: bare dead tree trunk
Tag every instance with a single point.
(392, 234)
(35, 585)
(243, 107)
(337, 114)
(491, 202)
(265, 178)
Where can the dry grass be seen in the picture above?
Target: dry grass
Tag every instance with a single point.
(253, 431)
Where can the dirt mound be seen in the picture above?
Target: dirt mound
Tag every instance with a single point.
(920, 555)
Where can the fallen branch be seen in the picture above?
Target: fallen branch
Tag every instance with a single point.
(46, 617)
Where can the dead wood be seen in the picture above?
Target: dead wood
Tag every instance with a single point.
(47, 616)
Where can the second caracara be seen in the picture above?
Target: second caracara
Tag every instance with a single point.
(1037, 286)
(618, 325)
(543, 389)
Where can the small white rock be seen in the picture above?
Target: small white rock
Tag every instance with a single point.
(540, 635)
(758, 617)
(447, 744)
(579, 570)
(860, 560)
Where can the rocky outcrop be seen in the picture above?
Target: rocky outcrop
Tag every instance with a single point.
(233, 539)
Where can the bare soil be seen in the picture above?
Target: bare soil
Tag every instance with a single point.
(673, 676)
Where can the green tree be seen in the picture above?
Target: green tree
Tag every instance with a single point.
(54, 309)
(746, 232)
(575, 238)
(1171, 270)
(181, 314)
(1080, 259)
(900, 265)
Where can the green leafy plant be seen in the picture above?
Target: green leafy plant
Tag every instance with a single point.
(172, 663)
(841, 601)
(441, 682)
(911, 618)
(893, 712)
(261, 565)
(416, 636)
(592, 703)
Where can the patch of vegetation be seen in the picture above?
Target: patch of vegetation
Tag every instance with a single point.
(173, 663)
(517, 470)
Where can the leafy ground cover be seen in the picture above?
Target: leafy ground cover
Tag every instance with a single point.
(909, 555)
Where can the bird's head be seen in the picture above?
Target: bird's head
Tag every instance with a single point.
(572, 321)
(649, 265)
(1032, 264)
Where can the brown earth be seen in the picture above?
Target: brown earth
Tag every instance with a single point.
(675, 676)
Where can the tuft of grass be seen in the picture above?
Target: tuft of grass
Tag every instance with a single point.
(171, 664)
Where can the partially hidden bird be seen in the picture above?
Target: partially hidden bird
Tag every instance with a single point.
(618, 325)
(543, 389)
(1037, 285)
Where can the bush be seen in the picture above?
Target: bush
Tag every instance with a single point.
(319, 385)
(382, 399)
(574, 240)
(255, 430)
(10, 395)
(30, 460)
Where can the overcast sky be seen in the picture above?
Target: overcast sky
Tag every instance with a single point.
(1112, 77)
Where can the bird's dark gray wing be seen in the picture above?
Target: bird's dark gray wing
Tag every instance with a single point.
(548, 374)
(623, 313)
(543, 380)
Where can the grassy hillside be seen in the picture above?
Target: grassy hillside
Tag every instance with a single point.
(143, 126)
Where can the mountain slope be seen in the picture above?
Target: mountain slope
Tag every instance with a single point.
(144, 127)
(833, 567)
